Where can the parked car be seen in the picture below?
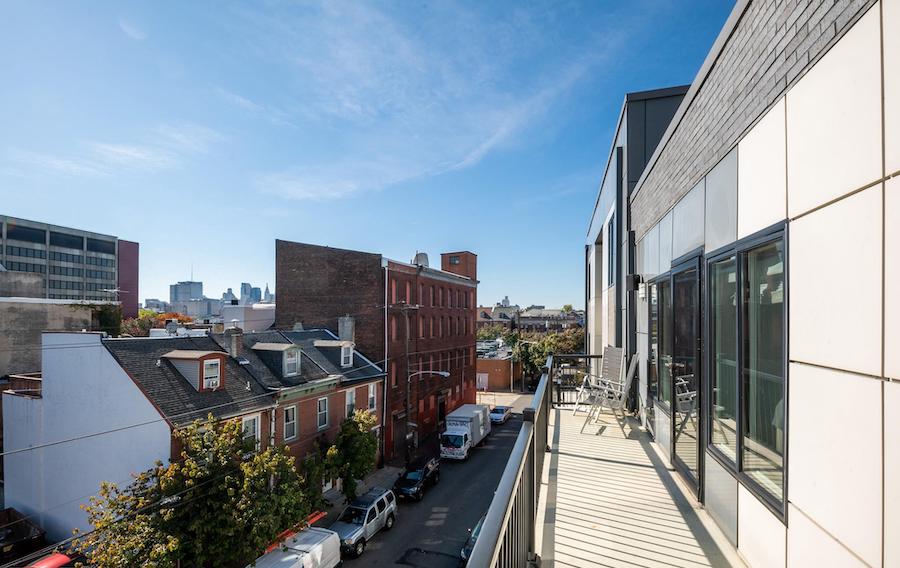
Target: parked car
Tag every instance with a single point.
(310, 548)
(500, 414)
(418, 475)
(362, 520)
(470, 543)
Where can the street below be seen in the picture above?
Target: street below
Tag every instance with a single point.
(431, 533)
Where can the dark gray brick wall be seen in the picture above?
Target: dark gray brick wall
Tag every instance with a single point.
(773, 44)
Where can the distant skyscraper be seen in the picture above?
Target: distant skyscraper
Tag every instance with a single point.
(184, 291)
(268, 297)
(246, 290)
(228, 296)
(255, 295)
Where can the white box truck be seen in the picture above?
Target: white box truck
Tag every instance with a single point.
(310, 548)
(467, 426)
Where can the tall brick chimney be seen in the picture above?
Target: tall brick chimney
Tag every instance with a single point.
(463, 263)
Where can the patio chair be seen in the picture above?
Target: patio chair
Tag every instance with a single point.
(591, 385)
(613, 392)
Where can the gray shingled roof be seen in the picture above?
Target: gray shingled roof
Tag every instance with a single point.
(329, 358)
(178, 401)
(266, 367)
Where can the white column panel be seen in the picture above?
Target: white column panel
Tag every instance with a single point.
(720, 497)
(892, 473)
(834, 426)
(665, 243)
(762, 189)
(891, 23)
(892, 276)
(835, 284)
(808, 545)
(834, 120)
(761, 536)
(687, 221)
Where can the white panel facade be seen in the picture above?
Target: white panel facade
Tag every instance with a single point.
(651, 253)
(835, 314)
(808, 545)
(665, 244)
(835, 455)
(84, 392)
(762, 170)
(891, 25)
(720, 490)
(721, 203)
(892, 276)
(834, 121)
(761, 536)
(892, 473)
(687, 221)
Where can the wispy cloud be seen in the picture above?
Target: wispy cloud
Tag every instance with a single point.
(165, 147)
(442, 90)
(132, 30)
(270, 113)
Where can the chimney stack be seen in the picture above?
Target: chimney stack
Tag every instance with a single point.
(235, 337)
(346, 329)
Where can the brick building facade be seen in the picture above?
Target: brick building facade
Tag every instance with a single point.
(316, 285)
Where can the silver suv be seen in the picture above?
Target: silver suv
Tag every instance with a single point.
(365, 516)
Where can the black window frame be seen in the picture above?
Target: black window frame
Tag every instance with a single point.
(739, 249)
(611, 251)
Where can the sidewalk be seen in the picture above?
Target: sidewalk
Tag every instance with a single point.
(383, 477)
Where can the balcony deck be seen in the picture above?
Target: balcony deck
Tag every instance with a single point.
(608, 499)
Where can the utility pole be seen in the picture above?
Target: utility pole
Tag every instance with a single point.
(405, 309)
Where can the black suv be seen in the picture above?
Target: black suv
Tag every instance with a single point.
(411, 483)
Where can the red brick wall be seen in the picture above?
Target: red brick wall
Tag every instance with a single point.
(452, 348)
(308, 431)
(315, 285)
(498, 371)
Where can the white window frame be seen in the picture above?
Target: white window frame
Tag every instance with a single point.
(349, 398)
(218, 377)
(373, 396)
(320, 413)
(296, 354)
(346, 356)
(292, 422)
(256, 434)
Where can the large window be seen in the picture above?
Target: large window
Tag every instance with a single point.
(746, 352)
(652, 356)
(372, 387)
(350, 402)
(250, 427)
(211, 374)
(723, 350)
(666, 331)
(763, 370)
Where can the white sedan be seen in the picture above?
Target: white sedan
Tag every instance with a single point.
(500, 414)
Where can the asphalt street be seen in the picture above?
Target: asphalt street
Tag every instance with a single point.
(430, 534)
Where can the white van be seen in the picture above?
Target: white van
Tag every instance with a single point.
(309, 548)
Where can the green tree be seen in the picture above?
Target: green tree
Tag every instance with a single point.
(355, 450)
(489, 332)
(567, 308)
(213, 506)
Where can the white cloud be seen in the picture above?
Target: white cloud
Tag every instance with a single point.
(270, 113)
(188, 137)
(131, 30)
(46, 163)
(133, 157)
(441, 89)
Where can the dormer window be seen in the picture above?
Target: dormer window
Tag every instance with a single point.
(291, 362)
(346, 356)
(202, 369)
(212, 374)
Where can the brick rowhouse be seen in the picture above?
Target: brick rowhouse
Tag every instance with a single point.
(315, 285)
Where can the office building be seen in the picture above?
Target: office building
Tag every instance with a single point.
(184, 291)
(73, 264)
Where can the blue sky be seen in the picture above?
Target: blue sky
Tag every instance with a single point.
(206, 130)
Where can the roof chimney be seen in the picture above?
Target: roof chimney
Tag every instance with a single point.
(346, 328)
(234, 335)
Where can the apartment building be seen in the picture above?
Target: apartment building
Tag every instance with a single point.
(74, 264)
(421, 320)
(758, 252)
(102, 409)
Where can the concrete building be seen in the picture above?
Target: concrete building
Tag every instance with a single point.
(258, 317)
(157, 305)
(317, 284)
(73, 264)
(749, 265)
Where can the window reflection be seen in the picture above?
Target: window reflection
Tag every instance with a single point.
(665, 342)
(763, 369)
(724, 376)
